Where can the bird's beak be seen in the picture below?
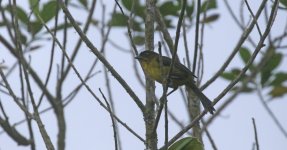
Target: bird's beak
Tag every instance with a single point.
(138, 57)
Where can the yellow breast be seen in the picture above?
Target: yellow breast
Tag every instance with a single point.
(152, 70)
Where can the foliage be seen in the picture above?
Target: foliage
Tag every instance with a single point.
(270, 76)
(188, 143)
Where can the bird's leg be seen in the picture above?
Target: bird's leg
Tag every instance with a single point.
(171, 91)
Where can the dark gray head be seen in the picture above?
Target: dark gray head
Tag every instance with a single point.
(146, 55)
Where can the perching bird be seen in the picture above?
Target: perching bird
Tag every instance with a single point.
(180, 75)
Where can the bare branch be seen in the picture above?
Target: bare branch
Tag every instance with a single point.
(270, 112)
(86, 86)
(244, 36)
(101, 58)
(129, 28)
(255, 134)
(258, 28)
(196, 35)
(112, 118)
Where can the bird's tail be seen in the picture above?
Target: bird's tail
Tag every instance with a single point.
(207, 104)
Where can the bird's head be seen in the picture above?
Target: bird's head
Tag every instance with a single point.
(146, 56)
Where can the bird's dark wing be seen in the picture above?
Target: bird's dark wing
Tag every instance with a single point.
(179, 71)
(167, 61)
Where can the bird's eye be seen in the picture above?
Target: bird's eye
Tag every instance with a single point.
(147, 53)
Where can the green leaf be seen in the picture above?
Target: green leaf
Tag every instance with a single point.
(231, 75)
(84, 3)
(34, 4)
(34, 27)
(267, 70)
(244, 54)
(273, 62)
(139, 10)
(210, 18)
(245, 89)
(23, 38)
(169, 8)
(208, 5)
(22, 16)
(228, 76)
(279, 79)
(236, 71)
(265, 75)
(284, 2)
(278, 91)
(119, 20)
(128, 4)
(136, 25)
(188, 143)
(139, 40)
(49, 10)
(189, 10)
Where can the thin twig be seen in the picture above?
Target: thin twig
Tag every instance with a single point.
(12, 94)
(7, 23)
(163, 98)
(36, 116)
(269, 111)
(129, 29)
(166, 123)
(41, 126)
(86, 86)
(250, 10)
(107, 79)
(3, 111)
(241, 13)
(209, 137)
(51, 57)
(253, 56)
(185, 44)
(196, 36)
(164, 30)
(172, 62)
(241, 74)
(78, 45)
(112, 118)
(258, 68)
(255, 134)
(178, 27)
(244, 35)
(65, 100)
(101, 58)
(222, 107)
(11, 131)
(68, 99)
(241, 26)
(35, 76)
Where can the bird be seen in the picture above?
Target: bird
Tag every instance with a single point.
(157, 68)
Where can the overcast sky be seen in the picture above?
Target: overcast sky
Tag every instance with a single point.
(89, 125)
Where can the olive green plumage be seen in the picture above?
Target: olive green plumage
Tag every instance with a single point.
(180, 75)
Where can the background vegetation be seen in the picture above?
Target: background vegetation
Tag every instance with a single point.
(69, 79)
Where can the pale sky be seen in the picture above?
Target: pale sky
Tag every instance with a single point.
(89, 125)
